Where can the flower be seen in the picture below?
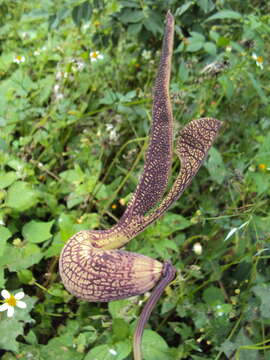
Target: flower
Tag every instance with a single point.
(113, 352)
(146, 54)
(197, 248)
(259, 60)
(37, 52)
(77, 65)
(19, 59)
(11, 301)
(95, 55)
(262, 167)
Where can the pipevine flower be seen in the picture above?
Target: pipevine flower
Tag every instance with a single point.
(91, 265)
(10, 301)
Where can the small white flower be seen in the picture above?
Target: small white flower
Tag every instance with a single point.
(80, 65)
(113, 352)
(19, 59)
(58, 75)
(56, 88)
(11, 301)
(37, 52)
(197, 248)
(85, 26)
(146, 54)
(95, 55)
(259, 60)
(109, 127)
(59, 96)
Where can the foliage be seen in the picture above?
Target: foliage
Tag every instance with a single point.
(72, 137)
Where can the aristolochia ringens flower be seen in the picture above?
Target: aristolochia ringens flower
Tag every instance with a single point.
(11, 301)
(95, 55)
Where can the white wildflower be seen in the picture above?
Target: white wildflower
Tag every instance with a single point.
(19, 59)
(10, 301)
(37, 52)
(259, 60)
(146, 54)
(95, 55)
(197, 248)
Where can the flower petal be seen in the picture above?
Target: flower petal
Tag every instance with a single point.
(19, 295)
(21, 304)
(10, 311)
(4, 307)
(5, 294)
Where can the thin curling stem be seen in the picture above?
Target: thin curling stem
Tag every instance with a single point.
(168, 276)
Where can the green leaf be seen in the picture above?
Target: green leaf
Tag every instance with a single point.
(117, 351)
(244, 354)
(154, 346)
(183, 8)
(194, 46)
(60, 348)
(225, 14)
(11, 328)
(262, 291)
(74, 176)
(120, 329)
(183, 72)
(21, 258)
(213, 296)
(134, 29)
(37, 231)
(131, 16)
(20, 196)
(81, 13)
(25, 276)
(216, 166)
(257, 87)
(228, 348)
(119, 308)
(169, 224)
(5, 234)
(206, 5)
(153, 23)
(210, 48)
(227, 85)
(7, 178)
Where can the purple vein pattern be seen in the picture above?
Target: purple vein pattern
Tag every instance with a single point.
(91, 265)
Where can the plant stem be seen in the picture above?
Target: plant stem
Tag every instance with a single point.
(168, 273)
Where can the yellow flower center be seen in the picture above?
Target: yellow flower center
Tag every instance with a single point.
(262, 167)
(94, 55)
(11, 301)
(19, 58)
(260, 59)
